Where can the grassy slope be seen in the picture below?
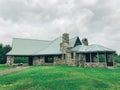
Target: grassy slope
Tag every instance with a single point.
(62, 78)
(3, 67)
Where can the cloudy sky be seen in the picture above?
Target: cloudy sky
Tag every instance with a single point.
(97, 20)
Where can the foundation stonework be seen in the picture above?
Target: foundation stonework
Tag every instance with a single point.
(95, 65)
(58, 61)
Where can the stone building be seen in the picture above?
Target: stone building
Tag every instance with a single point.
(62, 50)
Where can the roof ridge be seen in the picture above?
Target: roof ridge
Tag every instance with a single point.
(32, 39)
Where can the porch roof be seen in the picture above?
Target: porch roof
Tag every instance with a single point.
(90, 48)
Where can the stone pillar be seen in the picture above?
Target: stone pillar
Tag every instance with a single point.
(74, 55)
(64, 56)
(82, 60)
(105, 59)
(42, 60)
(10, 60)
(90, 58)
(36, 61)
(69, 59)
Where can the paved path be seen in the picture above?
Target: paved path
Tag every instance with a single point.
(12, 70)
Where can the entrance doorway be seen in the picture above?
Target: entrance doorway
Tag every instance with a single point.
(30, 61)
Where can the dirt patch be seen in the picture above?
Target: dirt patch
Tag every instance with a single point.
(12, 70)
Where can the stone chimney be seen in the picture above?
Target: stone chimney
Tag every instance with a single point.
(65, 38)
(85, 41)
(65, 42)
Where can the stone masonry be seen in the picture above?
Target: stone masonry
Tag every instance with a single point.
(10, 60)
(38, 61)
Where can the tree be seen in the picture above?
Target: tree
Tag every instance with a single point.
(3, 51)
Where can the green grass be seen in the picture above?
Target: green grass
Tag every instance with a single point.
(4, 67)
(62, 78)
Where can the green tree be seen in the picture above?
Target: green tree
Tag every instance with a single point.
(117, 58)
(3, 51)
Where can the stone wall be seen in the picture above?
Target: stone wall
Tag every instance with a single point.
(59, 61)
(10, 60)
(93, 64)
(71, 61)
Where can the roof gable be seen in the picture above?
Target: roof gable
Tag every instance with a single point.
(75, 41)
(78, 42)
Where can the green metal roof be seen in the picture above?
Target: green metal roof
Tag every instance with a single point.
(53, 48)
(90, 48)
(37, 47)
(27, 46)
(72, 41)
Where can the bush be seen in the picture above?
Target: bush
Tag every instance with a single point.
(101, 58)
(117, 58)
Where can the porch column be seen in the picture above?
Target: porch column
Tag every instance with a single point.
(98, 57)
(90, 58)
(105, 58)
(74, 55)
(10, 60)
(36, 61)
(113, 58)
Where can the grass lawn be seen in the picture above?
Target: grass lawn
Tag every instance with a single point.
(3, 67)
(62, 78)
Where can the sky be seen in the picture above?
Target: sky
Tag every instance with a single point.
(97, 20)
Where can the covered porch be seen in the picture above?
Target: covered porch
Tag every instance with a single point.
(97, 59)
(93, 56)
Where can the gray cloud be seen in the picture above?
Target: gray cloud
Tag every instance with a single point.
(98, 20)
